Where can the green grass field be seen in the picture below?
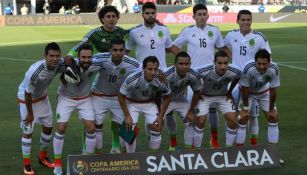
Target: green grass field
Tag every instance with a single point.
(21, 46)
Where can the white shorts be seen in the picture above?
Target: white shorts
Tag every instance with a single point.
(66, 106)
(180, 107)
(104, 104)
(263, 101)
(42, 113)
(149, 110)
(220, 101)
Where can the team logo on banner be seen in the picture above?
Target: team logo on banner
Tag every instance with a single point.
(80, 167)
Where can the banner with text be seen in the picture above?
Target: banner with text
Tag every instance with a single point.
(187, 18)
(179, 162)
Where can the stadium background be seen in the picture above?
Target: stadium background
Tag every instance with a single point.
(21, 44)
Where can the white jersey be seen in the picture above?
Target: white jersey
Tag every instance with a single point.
(81, 89)
(179, 85)
(214, 84)
(258, 82)
(37, 80)
(245, 47)
(136, 88)
(111, 77)
(150, 42)
(200, 43)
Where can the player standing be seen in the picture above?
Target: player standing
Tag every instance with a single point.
(150, 38)
(244, 43)
(34, 105)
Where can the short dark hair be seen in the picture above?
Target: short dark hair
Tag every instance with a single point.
(106, 9)
(152, 59)
(117, 41)
(182, 54)
(52, 46)
(199, 7)
(262, 53)
(220, 53)
(85, 46)
(148, 5)
(243, 12)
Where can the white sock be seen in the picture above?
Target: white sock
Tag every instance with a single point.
(99, 139)
(188, 134)
(198, 137)
(230, 136)
(155, 140)
(253, 125)
(90, 142)
(45, 141)
(273, 132)
(241, 134)
(26, 145)
(131, 148)
(58, 142)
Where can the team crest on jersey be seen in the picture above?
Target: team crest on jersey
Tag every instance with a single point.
(160, 34)
(210, 34)
(103, 40)
(141, 36)
(252, 42)
(122, 71)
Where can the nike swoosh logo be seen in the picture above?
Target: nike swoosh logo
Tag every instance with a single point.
(273, 19)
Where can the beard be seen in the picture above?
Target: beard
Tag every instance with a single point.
(150, 21)
(85, 65)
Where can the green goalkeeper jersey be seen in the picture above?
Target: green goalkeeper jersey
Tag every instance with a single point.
(100, 39)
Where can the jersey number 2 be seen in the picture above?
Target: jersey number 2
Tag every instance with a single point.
(152, 44)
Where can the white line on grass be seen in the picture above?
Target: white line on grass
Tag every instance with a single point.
(13, 59)
(36, 42)
(293, 67)
(291, 62)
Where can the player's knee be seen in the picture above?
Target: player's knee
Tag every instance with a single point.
(153, 127)
(47, 130)
(272, 120)
(201, 121)
(232, 123)
(61, 128)
(243, 120)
